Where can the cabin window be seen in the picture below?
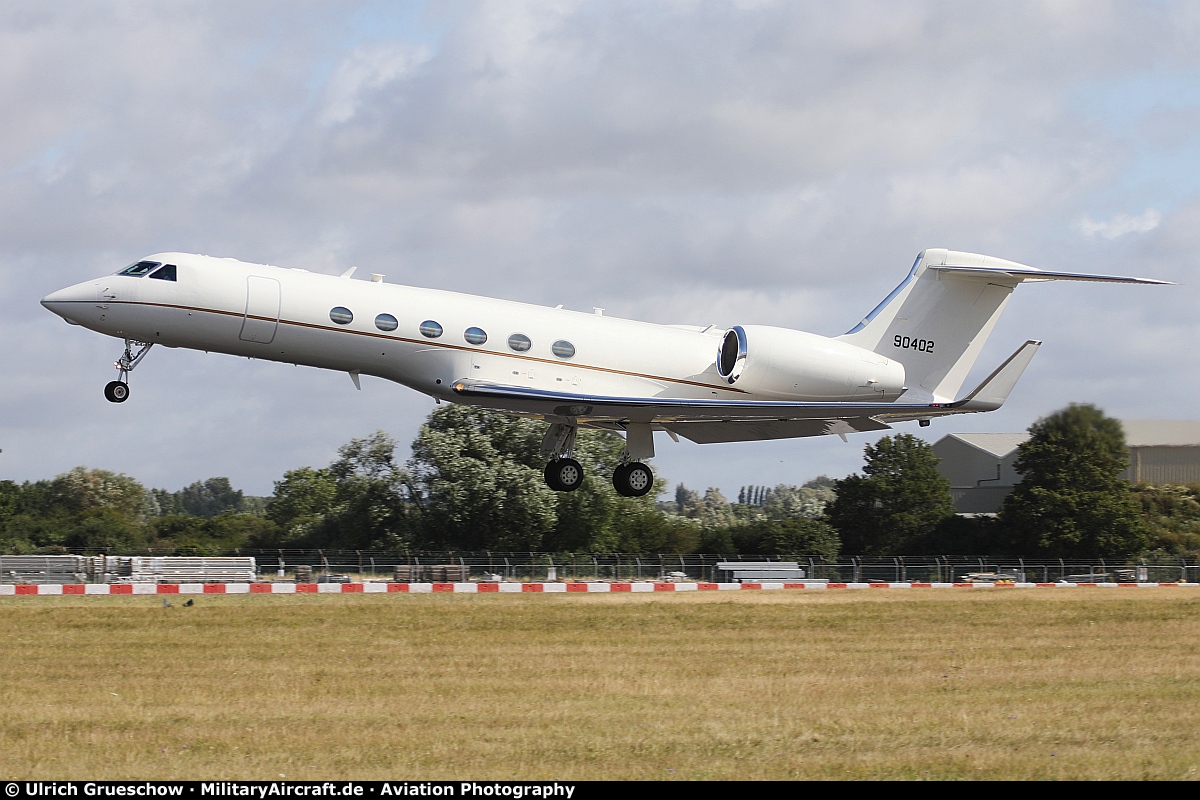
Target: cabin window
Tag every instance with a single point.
(386, 322)
(519, 342)
(431, 329)
(139, 269)
(164, 273)
(563, 349)
(475, 336)
(341, 315)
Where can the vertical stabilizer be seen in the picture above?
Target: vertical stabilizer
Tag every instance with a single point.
(935, 322)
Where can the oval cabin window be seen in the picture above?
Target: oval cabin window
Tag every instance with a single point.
(475, 335)
(563, 349)
(386, 322)
(430, 329)
(341, 315)
(519, 342)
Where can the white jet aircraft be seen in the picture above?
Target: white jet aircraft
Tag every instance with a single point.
(905, 361)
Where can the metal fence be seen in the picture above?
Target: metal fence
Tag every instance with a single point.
(533, 566)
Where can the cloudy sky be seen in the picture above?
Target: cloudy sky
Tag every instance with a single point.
(678, 162)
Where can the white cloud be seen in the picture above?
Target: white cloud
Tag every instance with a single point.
(1121, 224)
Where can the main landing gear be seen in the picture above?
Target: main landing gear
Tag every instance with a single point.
(118, 391)
(565, 474)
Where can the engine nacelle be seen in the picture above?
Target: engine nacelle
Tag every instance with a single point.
(794, 365)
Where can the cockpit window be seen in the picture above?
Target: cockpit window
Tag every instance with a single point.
(140, 268)
(164, 273)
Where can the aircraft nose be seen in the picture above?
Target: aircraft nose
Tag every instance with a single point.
(65, 301)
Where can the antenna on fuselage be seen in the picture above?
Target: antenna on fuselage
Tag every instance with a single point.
(348, 272)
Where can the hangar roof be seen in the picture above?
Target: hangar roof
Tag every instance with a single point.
(1138, 433)
(995, 444)
(1161, 432)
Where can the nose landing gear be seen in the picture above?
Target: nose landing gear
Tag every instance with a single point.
(118, 391)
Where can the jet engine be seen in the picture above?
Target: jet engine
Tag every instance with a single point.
(786, 364)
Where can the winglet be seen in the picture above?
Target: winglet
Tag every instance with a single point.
(992, 393)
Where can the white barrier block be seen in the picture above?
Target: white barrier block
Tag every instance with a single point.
(237, 588)
(768, 584)
(554, 587)
(145, 588)
(599, 587)
(641, 587)
(283, 588)
(50, 588)
(8, 588)
(901, 585)
(1023, 585)
(95, 588)
(466, 588)
(858, 586)
(510, 587)
(374, 588)
(420, 588)
(686, 587)
(329, 588)
(191, 588)
(728, 586)
(808, 585)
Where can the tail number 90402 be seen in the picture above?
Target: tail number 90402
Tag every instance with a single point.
(907, 343)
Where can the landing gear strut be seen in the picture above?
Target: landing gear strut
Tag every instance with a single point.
(563, 473)
(118, 391)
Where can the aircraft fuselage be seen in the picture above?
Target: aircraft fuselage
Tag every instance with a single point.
(299, 317)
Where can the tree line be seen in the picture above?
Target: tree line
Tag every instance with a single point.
(474, 482)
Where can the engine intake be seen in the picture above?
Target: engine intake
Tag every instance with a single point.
(731, 358)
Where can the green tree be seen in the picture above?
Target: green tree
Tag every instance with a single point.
(478, 477)
(82, 489)
(361, 500)
(208, 498)
(1171, 514)
(371, 507)
(1071, 501)
(479, 485)
(899, 498)
(301, 502)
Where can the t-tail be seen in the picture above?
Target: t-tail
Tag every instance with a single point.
(937, 320)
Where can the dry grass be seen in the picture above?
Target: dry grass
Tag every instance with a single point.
(1082, 683)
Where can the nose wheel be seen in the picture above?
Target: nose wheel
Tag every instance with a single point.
(634, 479)
(118, 391)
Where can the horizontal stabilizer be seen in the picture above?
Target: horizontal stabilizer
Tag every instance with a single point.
(1023, 273)
(992, 393)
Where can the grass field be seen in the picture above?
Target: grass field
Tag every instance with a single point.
(1082, 683)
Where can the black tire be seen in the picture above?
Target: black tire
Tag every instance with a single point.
(116, 392)
(633, 480)
(564, 475)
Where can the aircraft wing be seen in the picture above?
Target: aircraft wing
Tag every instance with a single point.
(747, 420)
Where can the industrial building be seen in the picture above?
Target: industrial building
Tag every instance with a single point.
(980, 467)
